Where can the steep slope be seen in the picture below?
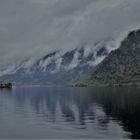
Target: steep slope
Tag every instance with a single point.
(58, 67)
(121, 66)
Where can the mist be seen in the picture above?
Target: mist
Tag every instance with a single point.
(31, 28)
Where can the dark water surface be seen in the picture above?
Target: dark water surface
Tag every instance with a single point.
(49, 112)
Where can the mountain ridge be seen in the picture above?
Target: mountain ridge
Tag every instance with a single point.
(57, 67)
(121, 66)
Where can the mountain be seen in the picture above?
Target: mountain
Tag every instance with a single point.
(59, 67)
(121, 66)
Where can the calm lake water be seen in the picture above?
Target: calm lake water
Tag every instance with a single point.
(50, 112)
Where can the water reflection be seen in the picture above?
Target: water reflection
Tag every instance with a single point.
(5, 90)
(122, 104)
(51, 103)
(80, 107)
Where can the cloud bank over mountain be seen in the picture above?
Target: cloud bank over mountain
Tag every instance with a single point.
(36, 27)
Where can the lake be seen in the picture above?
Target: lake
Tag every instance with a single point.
(66, 113)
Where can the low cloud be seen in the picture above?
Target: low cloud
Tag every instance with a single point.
(36, 27)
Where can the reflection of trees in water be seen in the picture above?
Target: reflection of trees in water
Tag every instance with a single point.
(122, 104)
(5, 90)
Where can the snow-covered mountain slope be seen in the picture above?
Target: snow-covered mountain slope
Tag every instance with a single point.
(58, 67)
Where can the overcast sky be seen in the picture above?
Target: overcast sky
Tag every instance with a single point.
(31, 27)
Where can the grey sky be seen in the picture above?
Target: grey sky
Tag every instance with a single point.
(33, 27)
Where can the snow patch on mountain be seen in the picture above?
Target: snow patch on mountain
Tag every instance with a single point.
(74, 63)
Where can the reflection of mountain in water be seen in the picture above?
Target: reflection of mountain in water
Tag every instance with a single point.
(52, 104)
(82, 107)
(122, 104)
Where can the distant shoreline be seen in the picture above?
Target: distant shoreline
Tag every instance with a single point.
(79, 84)
(107, 84)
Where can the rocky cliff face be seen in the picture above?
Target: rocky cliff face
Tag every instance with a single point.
(121, 65)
